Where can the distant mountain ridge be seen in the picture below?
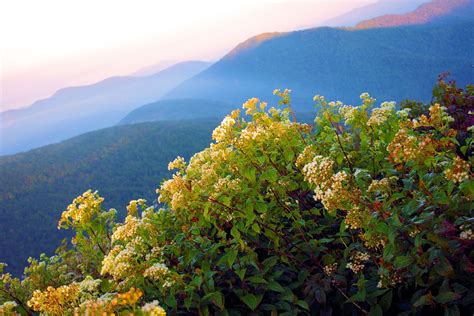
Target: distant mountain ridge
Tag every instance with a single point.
(425, 13)
(178, 109)
(390, 63)
(75, 110)
(373, 10)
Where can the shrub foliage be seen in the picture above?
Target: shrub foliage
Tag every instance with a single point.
(366, 211)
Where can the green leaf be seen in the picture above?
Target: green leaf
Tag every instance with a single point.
(257, 279)
(303, 304)
(241, 273)
(376, 310)
(215, 298)
(261, 207)
(251, 300)
(446, 297)
(275, 286)
(386, 300)
(424, 300)
(402, 262)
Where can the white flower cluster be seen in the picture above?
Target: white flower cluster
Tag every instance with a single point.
(222, 131)
(381, 115)
(357, 262)
(153, 309)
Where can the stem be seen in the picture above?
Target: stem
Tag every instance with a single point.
(342, 148)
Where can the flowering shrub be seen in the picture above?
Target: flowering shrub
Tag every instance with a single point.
(368, 211)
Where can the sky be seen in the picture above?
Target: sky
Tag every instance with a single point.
(50, 44)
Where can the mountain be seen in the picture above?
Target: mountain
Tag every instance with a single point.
(177, 109)
(72, 111)
(153, 69)
(428, 12)
(373, 10)
(391, 63)
(122, 162)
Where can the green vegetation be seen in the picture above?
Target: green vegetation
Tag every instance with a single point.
(366, 211)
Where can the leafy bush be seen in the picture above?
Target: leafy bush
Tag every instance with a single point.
(365, 212)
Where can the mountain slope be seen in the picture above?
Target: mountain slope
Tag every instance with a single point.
(373, 10)
(177, 109)
(72, 111)
(391, 63)
(123, 163)
(428, 12)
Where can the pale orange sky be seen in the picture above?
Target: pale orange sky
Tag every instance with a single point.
(50, 44)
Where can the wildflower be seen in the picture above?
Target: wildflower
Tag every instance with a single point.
(367, 99)
(8, 308)
(381, 186)
(81, 209)
(55, 301)
(156, 271)
(330, 269)
(89, 285)
(381, 115)
(357, 262)
(349, 113)
(403, 147)
(459, 171)
(153, 309)
(438, 117)
(404, 113)
(129, 298)
(219, 134)
(467, 235)
(250, 106)
(319, 170)
(178, 163)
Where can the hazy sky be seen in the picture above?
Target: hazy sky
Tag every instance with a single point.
(50, 44)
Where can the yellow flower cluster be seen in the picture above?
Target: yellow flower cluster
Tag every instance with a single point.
(178, 163)
(81, 209)
(8, 308)
(159, 272)
(334, 190)
(330, 269)
(95, 307)
(382, 114)
(403, 147)
(357, 262)
(389, 281)
(153, 309)
(459, 171)
(226, 186)
(132, 207)
(129, 298)
(171, 192)
(250, 106)
(129, 249)
(349, 112)
(55, 301)
(381, 186)
(438, 118)
(224, 130)
(319, 171)
(306, 156)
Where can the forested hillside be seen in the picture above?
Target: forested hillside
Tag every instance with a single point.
(123, 163)
(177, 109)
